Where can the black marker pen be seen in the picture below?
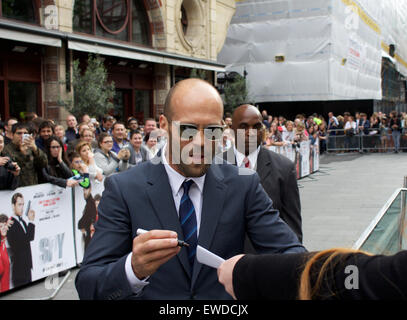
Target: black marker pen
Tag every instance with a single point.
(180, 242)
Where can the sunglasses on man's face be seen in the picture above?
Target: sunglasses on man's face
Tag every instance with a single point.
(188, 131)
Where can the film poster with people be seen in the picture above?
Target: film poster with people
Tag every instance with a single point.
(35, 239)
(86, 204)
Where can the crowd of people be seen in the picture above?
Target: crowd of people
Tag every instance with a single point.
(39, 150)
(380, 133)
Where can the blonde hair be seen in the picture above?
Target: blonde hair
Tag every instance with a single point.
(306, 290)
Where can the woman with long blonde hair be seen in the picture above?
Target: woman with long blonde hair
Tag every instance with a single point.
(84, 149)
(332, 274)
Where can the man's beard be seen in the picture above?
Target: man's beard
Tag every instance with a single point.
(196, 171)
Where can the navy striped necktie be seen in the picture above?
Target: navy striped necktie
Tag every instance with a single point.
(187, 218)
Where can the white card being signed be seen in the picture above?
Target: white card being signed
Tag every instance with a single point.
(208, 258)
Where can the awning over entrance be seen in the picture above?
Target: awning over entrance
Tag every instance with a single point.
(38, 35)
(86, 44)
(30, 34)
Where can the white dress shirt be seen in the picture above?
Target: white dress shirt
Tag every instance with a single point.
(195, 193)
(252, 158)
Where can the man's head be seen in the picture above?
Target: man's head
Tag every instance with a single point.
(247, 120)
(71, 122)
(119, 132)
(82, 126)
(17, 202)
(192, 106)
(150, 125)
(86, 118)
(107, 122)
(132, 124)
(228, 122)
(18, 129)
(330, 114)
(46, 130)
(9, 125)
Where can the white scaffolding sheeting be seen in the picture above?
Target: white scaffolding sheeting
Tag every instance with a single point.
(332, 49)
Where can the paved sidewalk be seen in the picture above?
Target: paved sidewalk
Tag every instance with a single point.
(349, 192)
(336, 207)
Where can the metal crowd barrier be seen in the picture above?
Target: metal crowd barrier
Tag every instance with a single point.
(371, 140)
(387, 233)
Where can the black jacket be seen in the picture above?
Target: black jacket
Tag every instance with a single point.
(7, 180)
(62, 174)
(20, 251)
(277, 277)
(279, 179)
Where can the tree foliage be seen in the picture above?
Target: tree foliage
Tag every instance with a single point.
(93, 94)
(235, 93)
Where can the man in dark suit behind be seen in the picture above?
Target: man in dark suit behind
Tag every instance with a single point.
(19, 237)
(277, 173)
(179, 194)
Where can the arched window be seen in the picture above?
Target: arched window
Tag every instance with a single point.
(124, 20)
(23, 10)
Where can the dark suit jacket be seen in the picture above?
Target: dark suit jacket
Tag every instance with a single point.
(279, 179)
(142, 198)
(20, 249)
(277, 277)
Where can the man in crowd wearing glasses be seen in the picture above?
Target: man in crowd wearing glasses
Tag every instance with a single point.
(25, 152)
(180, 194)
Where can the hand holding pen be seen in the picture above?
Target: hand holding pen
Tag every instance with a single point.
(151, 249)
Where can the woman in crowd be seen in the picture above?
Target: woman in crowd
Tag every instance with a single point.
(312, 134)
(151, 145)
(9, 171)
(108, 160)
(288, 134)
(300, 135)
(138, 153)
(88, 136)
(85, 151)
(57, 171)
(333, 274)
(274, 138)
(349, 130)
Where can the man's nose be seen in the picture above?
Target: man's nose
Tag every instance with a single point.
(199, 138)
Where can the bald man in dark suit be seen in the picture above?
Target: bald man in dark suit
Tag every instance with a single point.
(277, 173)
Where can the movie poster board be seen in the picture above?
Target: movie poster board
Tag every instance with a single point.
(86, 202)
(42, 244)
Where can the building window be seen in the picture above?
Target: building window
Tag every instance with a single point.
(124, 20)
(23, 10)
(23, 97)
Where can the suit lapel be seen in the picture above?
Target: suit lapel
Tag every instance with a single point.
(214, 194)
(263, 164)
(160, 195)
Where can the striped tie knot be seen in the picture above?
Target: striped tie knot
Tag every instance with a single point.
(186, 185)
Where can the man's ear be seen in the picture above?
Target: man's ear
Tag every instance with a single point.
(163, 121)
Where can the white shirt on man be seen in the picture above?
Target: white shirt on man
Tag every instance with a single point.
(196, 195)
